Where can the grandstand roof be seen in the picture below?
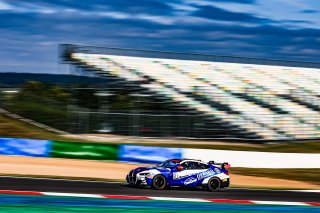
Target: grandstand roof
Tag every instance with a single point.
(65, 48)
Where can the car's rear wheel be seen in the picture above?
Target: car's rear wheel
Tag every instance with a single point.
(214, 184)
(159, 182)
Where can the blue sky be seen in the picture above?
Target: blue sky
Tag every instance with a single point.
(30, 30)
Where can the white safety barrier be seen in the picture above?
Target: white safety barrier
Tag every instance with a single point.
(255, 159)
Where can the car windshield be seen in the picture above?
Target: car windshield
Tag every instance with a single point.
(169, 163)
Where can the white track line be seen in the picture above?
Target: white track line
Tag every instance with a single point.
(280, 203)
(179, 199)
(71, 194)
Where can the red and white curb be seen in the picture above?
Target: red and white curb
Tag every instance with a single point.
(132, 197)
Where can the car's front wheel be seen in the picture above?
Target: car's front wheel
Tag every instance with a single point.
(159, 182)
(214, 184)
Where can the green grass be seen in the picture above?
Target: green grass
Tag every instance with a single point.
(306, 175)
(10, 127)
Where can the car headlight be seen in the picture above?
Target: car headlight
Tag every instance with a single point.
(146, 173)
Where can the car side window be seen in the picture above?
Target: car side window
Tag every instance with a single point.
(193, 165)
(189, 165)
(185, 165)
(203, 166)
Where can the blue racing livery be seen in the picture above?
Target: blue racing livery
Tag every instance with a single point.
(182, 173)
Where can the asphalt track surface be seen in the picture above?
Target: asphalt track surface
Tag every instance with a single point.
(97, 187)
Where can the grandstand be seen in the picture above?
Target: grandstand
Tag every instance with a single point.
(242, 98)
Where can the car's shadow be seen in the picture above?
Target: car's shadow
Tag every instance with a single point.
(195, 189)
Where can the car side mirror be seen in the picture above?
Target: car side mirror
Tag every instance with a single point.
(179, 168)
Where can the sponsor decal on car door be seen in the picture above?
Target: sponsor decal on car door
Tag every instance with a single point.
(187, 177)
(191, 174)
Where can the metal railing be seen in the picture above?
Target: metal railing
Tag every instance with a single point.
(166, 124)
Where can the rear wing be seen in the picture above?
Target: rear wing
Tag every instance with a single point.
(224, 165)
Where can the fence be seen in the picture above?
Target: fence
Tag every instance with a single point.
(168, 124)
(163, 124)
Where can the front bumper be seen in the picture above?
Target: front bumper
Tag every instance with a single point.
(136, 179)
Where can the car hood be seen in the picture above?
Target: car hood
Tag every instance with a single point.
(142, 169)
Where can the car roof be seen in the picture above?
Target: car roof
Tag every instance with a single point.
(182, 160)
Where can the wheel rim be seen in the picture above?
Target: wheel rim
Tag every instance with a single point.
(214, 184)
(159, 182)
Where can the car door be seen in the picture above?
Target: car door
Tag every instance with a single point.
(188, 176)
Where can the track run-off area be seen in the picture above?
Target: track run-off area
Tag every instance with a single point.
(20, 194)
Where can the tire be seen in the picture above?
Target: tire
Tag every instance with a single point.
(159, 182)
(214, 184)
(127, 179)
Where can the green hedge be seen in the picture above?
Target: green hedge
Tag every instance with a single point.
(80, 150)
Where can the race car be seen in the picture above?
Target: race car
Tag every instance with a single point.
(210, 176)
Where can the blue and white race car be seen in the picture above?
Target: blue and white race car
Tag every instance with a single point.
(210, 176)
